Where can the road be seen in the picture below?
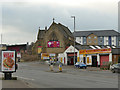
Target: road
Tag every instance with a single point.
(39, 76)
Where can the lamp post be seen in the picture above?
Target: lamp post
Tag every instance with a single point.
(74, 37)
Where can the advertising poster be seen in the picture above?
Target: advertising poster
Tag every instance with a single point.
(53, 44)
(8, 61)
(39, 49)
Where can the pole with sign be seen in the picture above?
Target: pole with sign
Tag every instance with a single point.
(8, 64)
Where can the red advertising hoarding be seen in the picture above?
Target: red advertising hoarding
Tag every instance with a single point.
(53, 44)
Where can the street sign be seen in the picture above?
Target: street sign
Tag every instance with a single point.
(8, 61)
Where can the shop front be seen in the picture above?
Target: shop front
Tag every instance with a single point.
(67, 57)
(96, 57)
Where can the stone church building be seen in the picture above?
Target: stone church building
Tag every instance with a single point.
(55, 39)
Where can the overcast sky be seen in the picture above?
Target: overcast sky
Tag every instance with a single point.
(19, 21)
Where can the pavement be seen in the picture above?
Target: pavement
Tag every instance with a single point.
(12, 83)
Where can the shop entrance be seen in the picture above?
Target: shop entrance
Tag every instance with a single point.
(70, 57)
(104, 59)
(94, 61)
(84, 60)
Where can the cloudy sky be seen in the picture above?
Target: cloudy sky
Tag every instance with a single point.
(19, 21)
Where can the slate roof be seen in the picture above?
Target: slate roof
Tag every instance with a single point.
(81, 47)
(97, 32)
(65, 31)
(41, 34)
(116, 51)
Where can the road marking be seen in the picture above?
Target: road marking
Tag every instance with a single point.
(25, 78)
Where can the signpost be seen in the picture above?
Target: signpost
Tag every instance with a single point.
(8, 64)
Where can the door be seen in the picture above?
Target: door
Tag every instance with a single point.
(94, 61)
(72, 62)
(104, 60)
(84, 60)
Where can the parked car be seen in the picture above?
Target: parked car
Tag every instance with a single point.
(115, 68)
(80, 65)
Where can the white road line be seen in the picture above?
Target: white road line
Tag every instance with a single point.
(25, 78)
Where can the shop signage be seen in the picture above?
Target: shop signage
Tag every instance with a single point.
(44, 56)
(95, 51)
(39, 49)
(8, 61)
(51, 44)
(47, 55)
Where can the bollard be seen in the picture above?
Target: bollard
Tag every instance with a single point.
(51, 67)
(60, 68)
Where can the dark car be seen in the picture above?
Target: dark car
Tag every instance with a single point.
(115, 68)
(80, 65)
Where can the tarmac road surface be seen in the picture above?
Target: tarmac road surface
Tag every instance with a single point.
(38, 75)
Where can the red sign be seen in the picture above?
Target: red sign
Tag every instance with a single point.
(94, 51)
(53, 44)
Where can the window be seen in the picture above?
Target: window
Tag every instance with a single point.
(100, 41)
(89, 37)
(101, 37)
(119, 43)
(95, 41)
(89, 41)
(95, 37)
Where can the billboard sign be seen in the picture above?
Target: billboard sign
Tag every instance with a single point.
(94, 51)
(8, 61)
(44, 56)
(51, 44)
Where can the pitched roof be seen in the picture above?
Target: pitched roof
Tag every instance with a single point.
(81, 47)
(97, 32)
(41, 34)
(116, 51)
(65, 31)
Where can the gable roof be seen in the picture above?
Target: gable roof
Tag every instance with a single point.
(97, 32)
(41, 34)
(116, 51)
(65, 31)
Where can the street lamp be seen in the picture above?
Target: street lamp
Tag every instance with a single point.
(74, 37)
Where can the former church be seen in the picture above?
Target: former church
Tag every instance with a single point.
(54, 39)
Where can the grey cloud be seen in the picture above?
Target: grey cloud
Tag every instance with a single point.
(28, 18)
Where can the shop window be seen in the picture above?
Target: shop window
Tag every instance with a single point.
(88, 60)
